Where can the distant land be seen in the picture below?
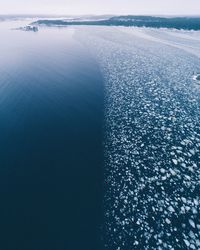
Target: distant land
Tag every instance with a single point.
(53, 17)
(186, 23)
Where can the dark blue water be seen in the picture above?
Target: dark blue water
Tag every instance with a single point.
(51, 103)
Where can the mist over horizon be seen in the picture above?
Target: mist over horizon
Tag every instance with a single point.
(27, 15)
(89, 7)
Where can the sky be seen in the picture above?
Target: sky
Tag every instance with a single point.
(82, 7)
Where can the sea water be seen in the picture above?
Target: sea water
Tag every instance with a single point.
(51, 103)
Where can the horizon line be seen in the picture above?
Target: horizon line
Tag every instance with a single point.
(71, 15)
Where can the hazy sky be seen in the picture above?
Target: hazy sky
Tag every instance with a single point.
(71, 7)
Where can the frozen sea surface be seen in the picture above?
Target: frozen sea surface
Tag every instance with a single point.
(152, 138)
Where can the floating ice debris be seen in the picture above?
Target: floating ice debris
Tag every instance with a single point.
(183, 199)
(171, 209)
(187, 243)
(198, 243)
(175, 161)
(162, 170)
(196, 77)
(192, 235)
(172, 172)
(192, 223)
(192, 246)
(152, 147)
(167, 221)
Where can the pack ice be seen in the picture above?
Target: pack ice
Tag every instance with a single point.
(152, 136)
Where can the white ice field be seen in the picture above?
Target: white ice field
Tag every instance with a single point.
(152, 138)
